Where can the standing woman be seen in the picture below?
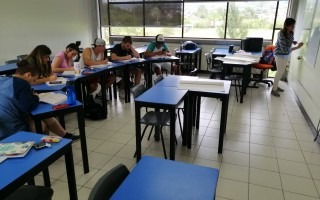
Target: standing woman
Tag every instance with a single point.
(63, 60)
(282, 52)
(40, 58)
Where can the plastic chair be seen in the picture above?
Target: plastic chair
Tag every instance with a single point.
(152, 118)
(30, 192)
(109, 183)
(21, 57)
(11, 61)
(262, 67)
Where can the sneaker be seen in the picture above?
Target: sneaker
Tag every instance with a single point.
(280, 90)
(275, 93)
(122, 94)
(71, 136)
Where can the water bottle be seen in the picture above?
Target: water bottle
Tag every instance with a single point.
(71, 93)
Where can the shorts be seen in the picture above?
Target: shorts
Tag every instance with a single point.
(164, 65)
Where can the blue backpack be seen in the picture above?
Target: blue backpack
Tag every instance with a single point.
(189, 45)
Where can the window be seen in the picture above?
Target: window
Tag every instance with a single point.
(191, 18)
(204, 19)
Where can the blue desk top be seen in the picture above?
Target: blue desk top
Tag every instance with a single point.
(159, 179)
(13, 168)
(225, 52)
(188, 51)
(8, 67)
(162, 95)
(45, 87)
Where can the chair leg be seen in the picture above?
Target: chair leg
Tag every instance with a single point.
(163, 146)
(143, 132)
(180, 121)
(150, 132)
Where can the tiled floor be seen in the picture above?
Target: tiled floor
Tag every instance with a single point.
(269, 153)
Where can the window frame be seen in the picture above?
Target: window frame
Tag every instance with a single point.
(144, 2)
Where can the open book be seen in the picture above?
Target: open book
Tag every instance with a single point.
(199, 84)
(15, 149)
(101, 66)
(52, 98)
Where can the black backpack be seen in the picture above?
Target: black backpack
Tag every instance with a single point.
(189, 45)
(94, 110)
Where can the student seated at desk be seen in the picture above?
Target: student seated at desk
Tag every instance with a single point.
(17, 100)
(63, 60)
(95, 56)
(159, 48)
(125, 51)
(40, 59)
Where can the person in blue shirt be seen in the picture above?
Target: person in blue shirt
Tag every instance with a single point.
(17, 100)
(282, 51)
(159, 48)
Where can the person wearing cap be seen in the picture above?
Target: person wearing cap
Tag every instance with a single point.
(125, 51)
(63, 60)
(159, 48)
(95, 56)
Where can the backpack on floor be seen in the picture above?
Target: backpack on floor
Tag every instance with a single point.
(93, 110)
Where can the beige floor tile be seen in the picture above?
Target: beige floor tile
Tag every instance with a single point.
(129, 163)
(212, 132)
(122, 138)
(81, 177)
(286, 143)
(91, 144)
(265, 163)
(61, 190)
(294, 168)
(101, 134)
(262, 150)
(234, 172)
(265, 178)
(317, 183)
(237, 146)
(260, 123)
(83, 193)
(264, 193)
(261, 139)
(312, 158)
(210, 142)
(97, 160)
(261, 130)
(294, 196)
(207, 163)
(236, 158)
(94, 179)
(290, 154)
(281, 125)
(209, 153)
(309, 146)
(304, 136)
(232, 189)
(299, 185)
(315, 171)
(109, 148)
(112, 126)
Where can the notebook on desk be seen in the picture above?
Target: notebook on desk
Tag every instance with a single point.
(15, 149)
(101, 66)
(52, 98)
(204, 85)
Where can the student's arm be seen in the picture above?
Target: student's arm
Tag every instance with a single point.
(134, 52)
(297, 47)
(56, 63)
(166, 50)
(115, 57)
(52, 77)
(27, 101)
(86, 56)
(149, 52)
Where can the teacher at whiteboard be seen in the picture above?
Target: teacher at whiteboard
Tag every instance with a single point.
(282, 52)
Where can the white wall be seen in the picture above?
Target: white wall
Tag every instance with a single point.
(25, 24)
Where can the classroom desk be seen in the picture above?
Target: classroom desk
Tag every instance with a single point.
(152, 60)
(17, 171)
(8, 69)
(167, 98)
(173, 81)
(46, 88)
(158, 179)
(234, 64)
(190, 55)
(44, 111)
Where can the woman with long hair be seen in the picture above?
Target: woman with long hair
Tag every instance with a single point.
(282, 52)
(63, 60)
(40, 58)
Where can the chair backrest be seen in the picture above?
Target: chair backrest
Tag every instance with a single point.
(193, 72)
(138, 90)
(158, 79)
(21, 57)
(270, 48)
(109, 183)
(11, 61)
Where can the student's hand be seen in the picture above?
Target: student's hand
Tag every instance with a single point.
(300, 44)
(128, 57)
(52, 77)
(168, 54)
(36, 94)
(104, 61)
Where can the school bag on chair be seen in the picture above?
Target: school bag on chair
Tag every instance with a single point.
(189, 45)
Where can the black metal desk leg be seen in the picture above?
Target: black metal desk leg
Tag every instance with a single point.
(185, 121)
(103, 78)
(157, 129)
(83, 140)
(71, 175)
(245, 82)
(138, 132)
(223, 122)
(190, 120)
(149, 75)
(200, 53)
(198, 112)
(172, 133)
(126, 77)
